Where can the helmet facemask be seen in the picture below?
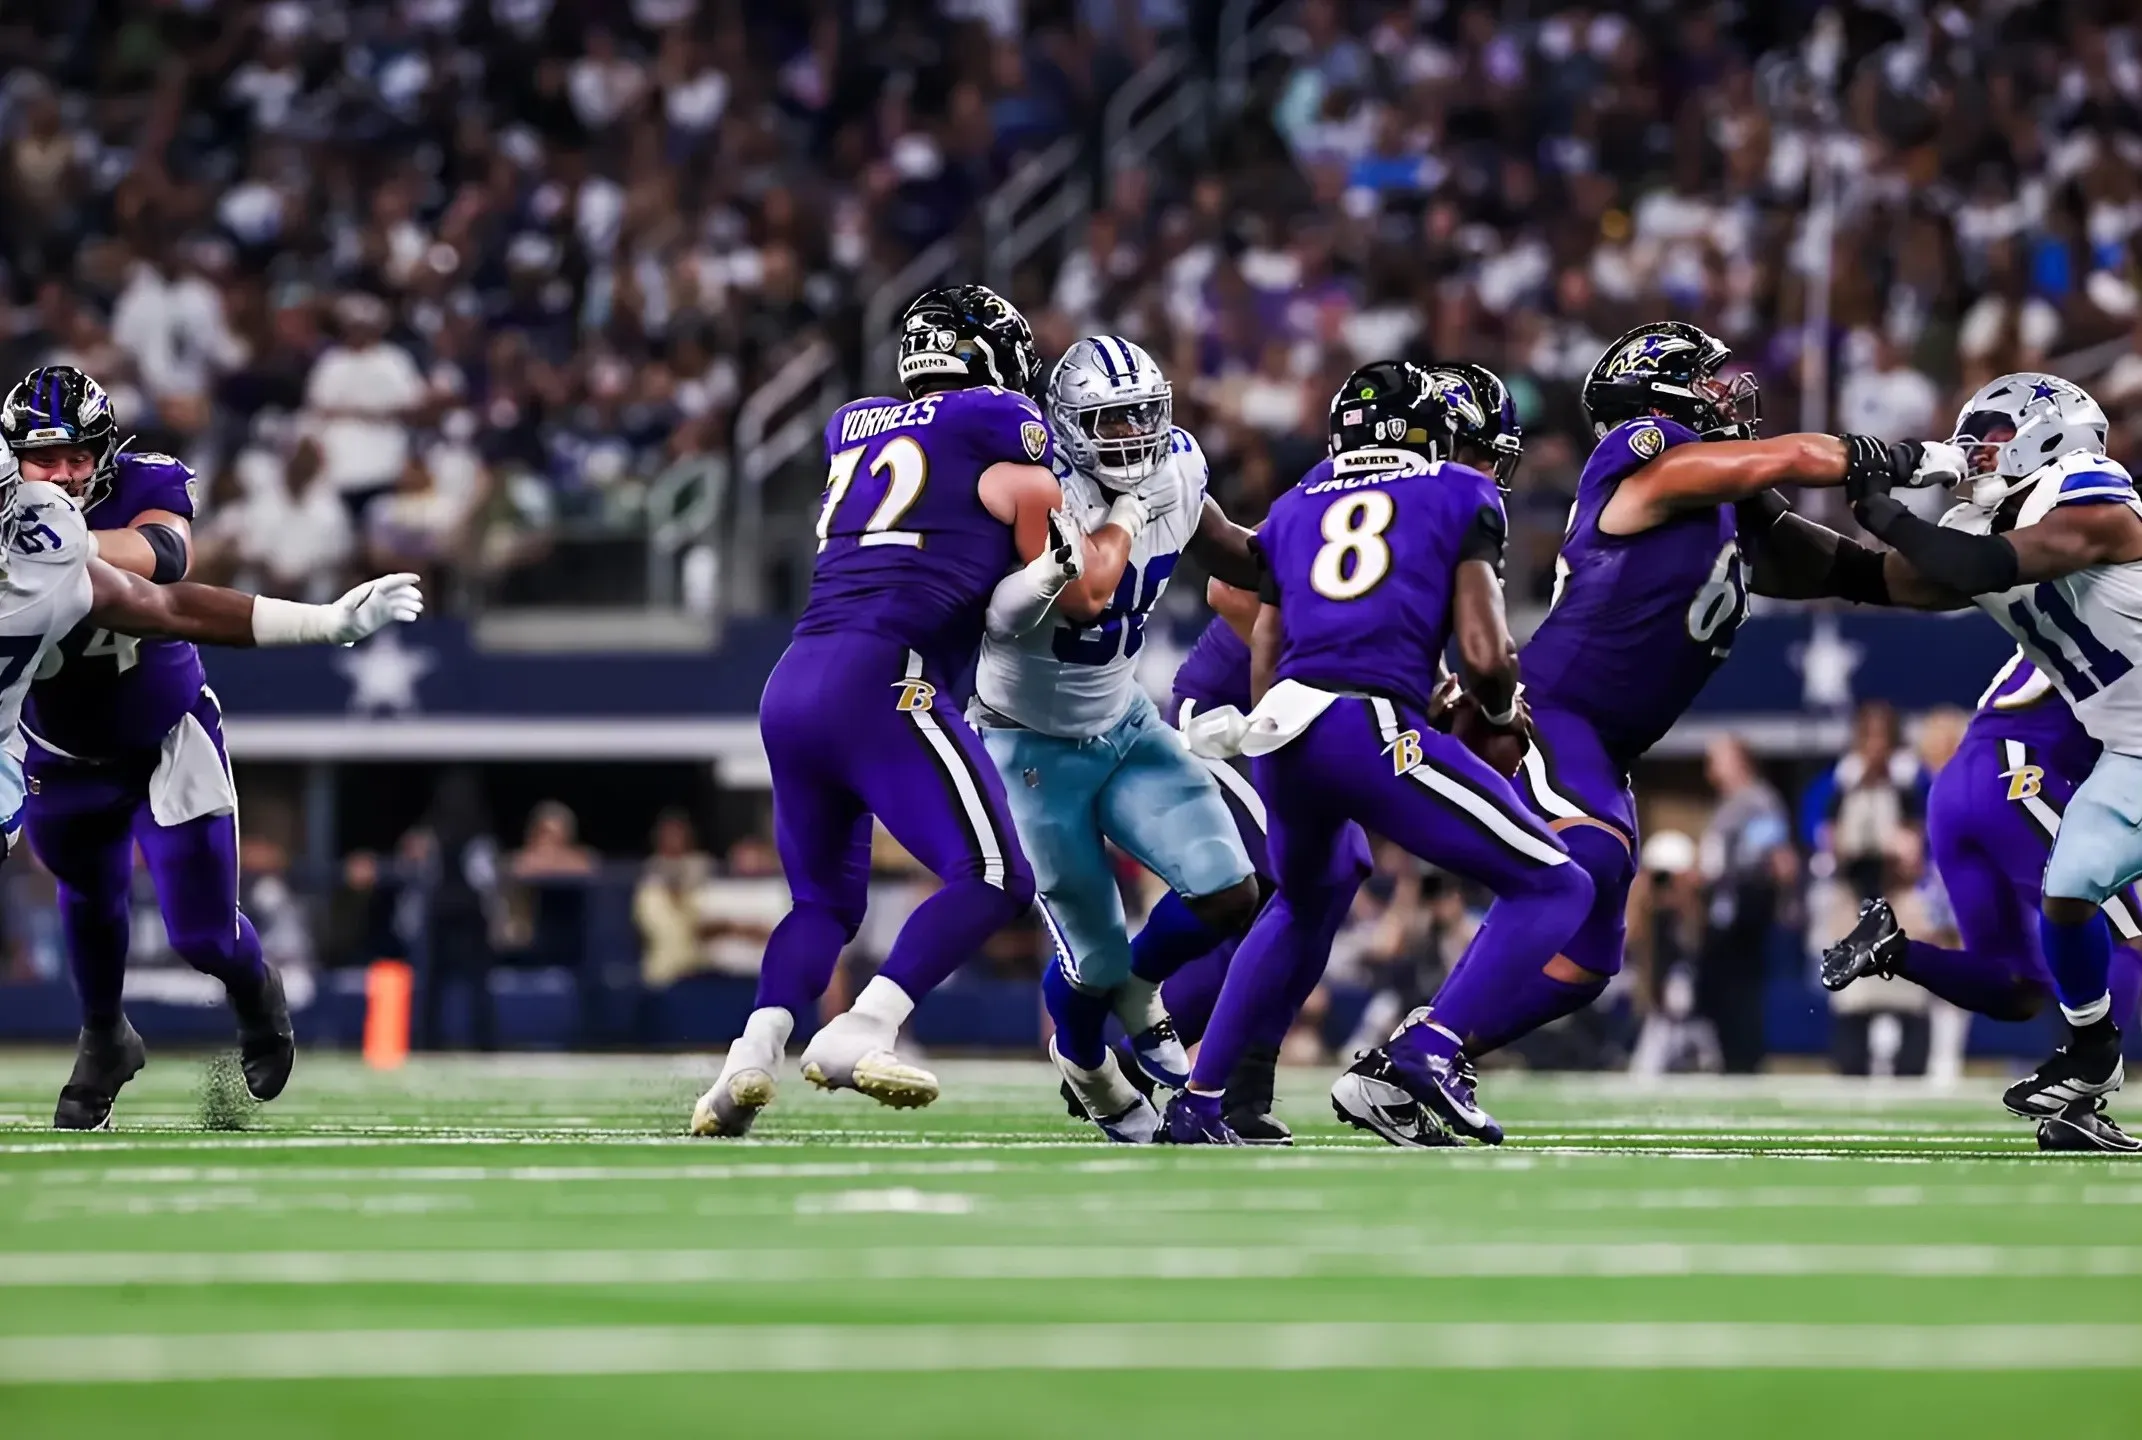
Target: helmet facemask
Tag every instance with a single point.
(1123, 442)
(1735, 406)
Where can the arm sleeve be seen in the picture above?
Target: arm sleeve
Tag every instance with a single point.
(1023, 598)
(1967, 564)
(1485, 538)
(1267, 582)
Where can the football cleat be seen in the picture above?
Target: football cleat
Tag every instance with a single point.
(1247, 1103)
(1431, 1065)
(851, 1052)
(1108, 1098)
(1875, 946)
(2074, 1073)
(104, 1060)
(1368, 1096)
(1195, 1119)
(1125, 1062)
(1160, 1054)
(2084, 1127)
(267, 1043)
(746, 1086)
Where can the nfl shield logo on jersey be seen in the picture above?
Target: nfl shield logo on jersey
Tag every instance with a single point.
(1034, 437)
(914, 695)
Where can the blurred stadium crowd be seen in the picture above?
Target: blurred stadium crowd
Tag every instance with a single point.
(419, 282)
(431, 284)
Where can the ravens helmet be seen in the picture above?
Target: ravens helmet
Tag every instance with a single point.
(59, 405)
(1670, 368)
(1482, 412)
(959, 336)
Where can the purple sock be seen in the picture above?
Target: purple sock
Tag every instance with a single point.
(1171, 938)
(97, 931)
(1190, 992)
(2001, 987)
(799, 960)
(1498, 992)
(1081, 1018)
(2080, 957)
(947, 930)
(1275, 967)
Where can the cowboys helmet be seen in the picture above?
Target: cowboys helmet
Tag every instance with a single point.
(1670, 368)
(1481, 408)
(59, 405)
(1112, 410)
(958, 336)
(2016, 425)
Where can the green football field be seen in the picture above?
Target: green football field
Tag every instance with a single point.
(530, 1247)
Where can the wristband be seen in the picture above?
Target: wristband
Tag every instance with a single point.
(287, 622)
(1129, 514)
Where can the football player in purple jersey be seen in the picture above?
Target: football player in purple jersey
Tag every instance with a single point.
(941, 514)
(1651, 585)
(123, 742)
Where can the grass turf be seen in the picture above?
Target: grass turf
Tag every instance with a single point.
(530, 1245)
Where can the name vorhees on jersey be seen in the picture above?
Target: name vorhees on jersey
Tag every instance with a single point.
(877, 419)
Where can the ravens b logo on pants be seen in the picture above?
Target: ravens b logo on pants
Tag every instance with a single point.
(2024, 782)
(1405, 752)
(914, 694)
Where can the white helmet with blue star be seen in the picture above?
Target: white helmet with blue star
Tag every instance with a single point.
(2017, 425)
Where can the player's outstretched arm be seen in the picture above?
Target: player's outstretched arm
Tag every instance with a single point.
(211, 615)
(2068, 539)
(1792, 558)
(156, 545)
(1724, 472)
(1024, 496)
(1225, 549)
(1486, 653)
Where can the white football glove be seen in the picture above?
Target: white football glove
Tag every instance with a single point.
(369, 608)
(1066, 549)
(1160, 492)
(1940, 463)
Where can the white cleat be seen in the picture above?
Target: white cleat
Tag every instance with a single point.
(853, 1052)
(735, 1101)
(1112, 1102)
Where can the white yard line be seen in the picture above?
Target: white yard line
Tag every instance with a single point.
(827, 1264)
(822, 1349)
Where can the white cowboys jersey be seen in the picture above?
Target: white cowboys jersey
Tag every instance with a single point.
(2082, 631)
(1077, 681)
(44, 593)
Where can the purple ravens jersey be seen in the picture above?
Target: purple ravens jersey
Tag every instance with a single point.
(2022, 705)
(1639, 622)
(906, 550)
(1216, 671)
(112, 694)
(1363, 564)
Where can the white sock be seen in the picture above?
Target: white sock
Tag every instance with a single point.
(884, 1001)
(1138, 1005)
(2091, 1013)
(767, 1031)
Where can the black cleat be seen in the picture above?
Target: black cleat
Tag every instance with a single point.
(104, 1060)
(1368, 1096)
(1248, 1102)
(2084, 1127)
(267, 1044)
(2076, 1073)
(1875, 946)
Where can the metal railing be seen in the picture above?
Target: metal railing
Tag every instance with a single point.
(683, 504)
(1044, 196)
(1165, 99)
(1249, 30)
(777, 422)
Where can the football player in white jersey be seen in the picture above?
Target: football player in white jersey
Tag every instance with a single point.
(1085, 756)
(2047, 539)
(51, 580)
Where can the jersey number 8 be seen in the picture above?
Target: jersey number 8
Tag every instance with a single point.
(1354, 557)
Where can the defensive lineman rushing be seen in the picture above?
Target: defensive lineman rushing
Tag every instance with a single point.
(1084, 753)
(932, 502)
(1381, 555)
(2048, 541)
(61, 605)
(1651, 586)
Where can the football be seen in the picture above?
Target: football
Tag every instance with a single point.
(1503, 749)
